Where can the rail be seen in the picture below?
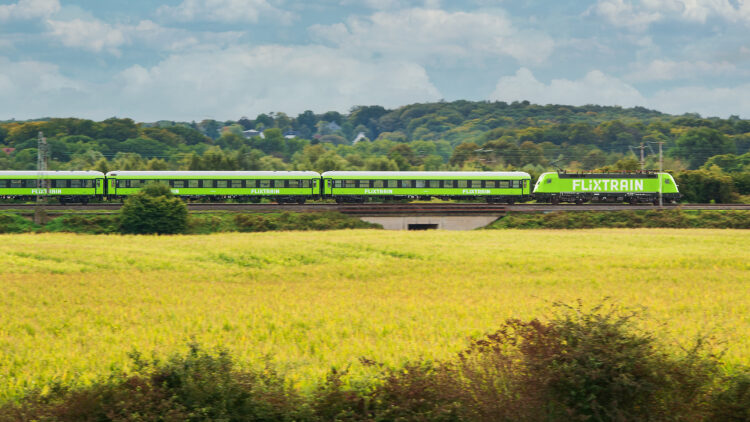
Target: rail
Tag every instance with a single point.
(383, 209)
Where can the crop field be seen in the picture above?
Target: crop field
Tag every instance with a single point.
(73, 306)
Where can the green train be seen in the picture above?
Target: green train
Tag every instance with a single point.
(345, 186)
(65, 186)
(633, 188)
(361, 186)
(285, 187)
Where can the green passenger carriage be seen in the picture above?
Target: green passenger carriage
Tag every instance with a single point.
(636, 187)
(359, 186)
(65, 186)
(280, 186)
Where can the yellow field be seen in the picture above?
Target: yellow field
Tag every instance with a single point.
(73, 306)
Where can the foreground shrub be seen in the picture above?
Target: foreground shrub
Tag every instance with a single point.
(154, 209)
(199, 386)
(579, 365)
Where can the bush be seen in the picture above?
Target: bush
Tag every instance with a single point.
(579, 365)
(14, 223)
(77, 223)
(153, 210)
(673, 218)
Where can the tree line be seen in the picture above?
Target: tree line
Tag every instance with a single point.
(709, 153)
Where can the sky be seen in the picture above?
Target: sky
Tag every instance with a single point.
(190, 60)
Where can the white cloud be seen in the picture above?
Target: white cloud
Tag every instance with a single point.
(220, 84)
(433, 35)
(668, 70)
(29, 9)
(622, 13)
(638, 15)
(230, 11)
(97, 36)
(245, 81)
(722, 102)
(594, 88)
(35, 89)
(601, 89)
(91, 35)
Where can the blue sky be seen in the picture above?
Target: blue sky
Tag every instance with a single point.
(224, 59)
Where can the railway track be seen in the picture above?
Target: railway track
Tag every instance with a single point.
(383, 209)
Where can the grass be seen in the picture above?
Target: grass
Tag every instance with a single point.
(73, 306)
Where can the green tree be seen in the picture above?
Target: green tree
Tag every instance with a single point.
(703, 186)
(697, 145)
(153, 210)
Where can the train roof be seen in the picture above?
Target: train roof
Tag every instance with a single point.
(60, 173)
(446, 174)
(133, 173)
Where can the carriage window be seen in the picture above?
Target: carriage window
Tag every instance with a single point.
(236, 183)
(265, 183)
(448, 184)
(462, 183)
(304, 184)
(134, 183)
(504, 184)
(207, 183)
(667, 181)
(350, 183)
(4, 183)
(338, 183)
(515, 183)
(251, 183)
(490, 184)
(549, 180)
(75, 183)
(221, 183)
(419, 183)
(193, 183)
(378, 184)
(390, 183)
(292, 183)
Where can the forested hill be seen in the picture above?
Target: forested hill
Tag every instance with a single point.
(437, 136)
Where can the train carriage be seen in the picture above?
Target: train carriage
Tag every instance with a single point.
(64, 186)
(280, 186)
(360, 186)
(632, 187)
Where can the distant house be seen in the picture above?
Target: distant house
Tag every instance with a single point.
(333, 127)
(8, 150)
(290, 134)
(253, 133)
(360, 137)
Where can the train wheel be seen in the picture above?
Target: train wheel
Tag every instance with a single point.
(579, 201)
(301, 201)
(555, 200)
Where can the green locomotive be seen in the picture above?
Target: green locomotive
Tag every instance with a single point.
(359, 186)
(280, 186)
(65, 186)
(633, 188)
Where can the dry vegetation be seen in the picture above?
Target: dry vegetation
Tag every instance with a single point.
(73, 306)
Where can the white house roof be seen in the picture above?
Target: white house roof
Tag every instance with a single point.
(131, 173)
(407, 174)
(90, 173)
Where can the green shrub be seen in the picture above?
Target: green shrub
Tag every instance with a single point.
(14, 223)
(77, 223)
(153, 210)
(299, 221)
(670, 218)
